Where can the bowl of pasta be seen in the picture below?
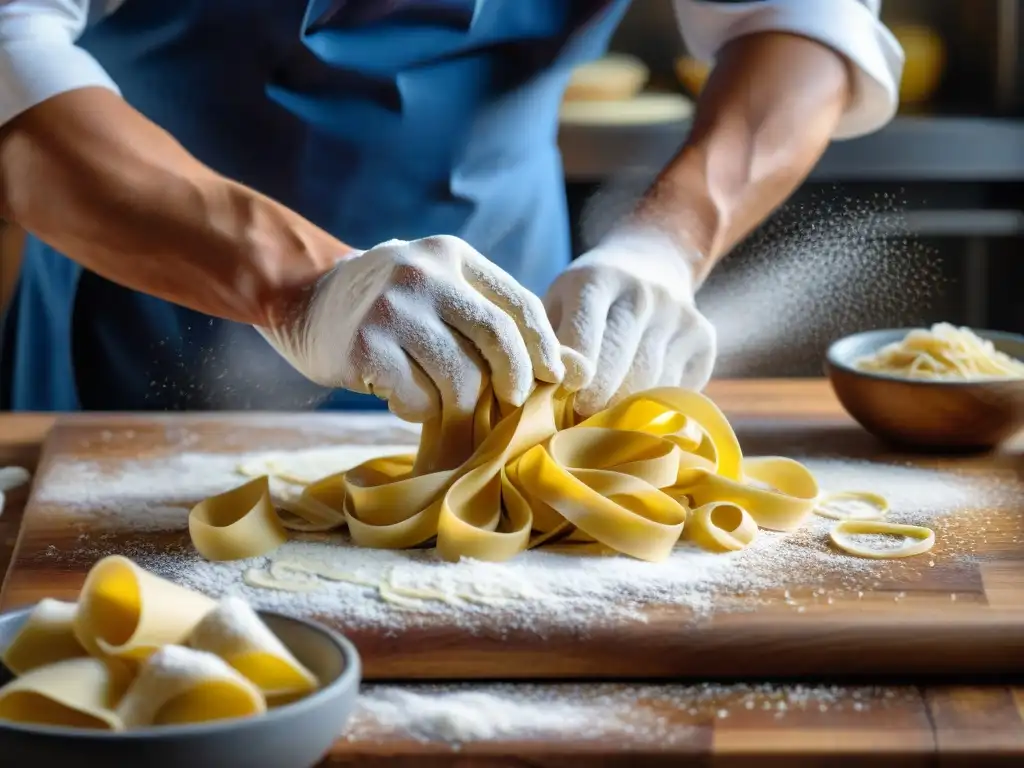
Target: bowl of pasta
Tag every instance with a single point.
(141, 671)
(938, 388)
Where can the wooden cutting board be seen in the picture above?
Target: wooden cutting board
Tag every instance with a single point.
(958, 610)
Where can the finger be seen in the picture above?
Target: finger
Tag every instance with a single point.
(448, 360)
(393, 376)
(583, 304)
(553, 307)
(625, 327)
(493, 333)
(579, 371)
(648, 363)
(526, 311)
(690, 340)
(698, 369)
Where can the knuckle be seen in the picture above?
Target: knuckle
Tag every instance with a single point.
(447, 248)
(384, 309)
(408, 272)
(363, 360)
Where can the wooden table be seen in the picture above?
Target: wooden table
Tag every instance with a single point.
(908, 725)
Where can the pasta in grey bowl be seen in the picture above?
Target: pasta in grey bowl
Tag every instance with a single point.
(293, 735)
(945, 389)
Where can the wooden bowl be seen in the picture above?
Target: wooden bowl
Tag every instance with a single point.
(925, 414)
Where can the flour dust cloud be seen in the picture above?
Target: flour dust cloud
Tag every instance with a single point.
(823, 266)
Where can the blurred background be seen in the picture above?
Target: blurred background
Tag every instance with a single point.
(917, 223)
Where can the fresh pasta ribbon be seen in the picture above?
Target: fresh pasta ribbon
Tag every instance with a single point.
(918, 539)
(127, 612)
(75, 693)
(228, 526)
(721, 527)
(625, 479)
(180, 685)
(233, 632)
(48, 636)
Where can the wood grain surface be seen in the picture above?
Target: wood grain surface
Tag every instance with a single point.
(958, 610)
(938, 725)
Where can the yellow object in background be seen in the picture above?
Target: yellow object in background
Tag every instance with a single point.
(692, 74)
(925, 62)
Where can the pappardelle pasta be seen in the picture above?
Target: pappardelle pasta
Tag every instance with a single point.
(659, 467)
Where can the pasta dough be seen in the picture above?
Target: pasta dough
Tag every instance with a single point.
(158, 654)
(128, 612)
(235, 633)
(180, 685)
(626, 479)
(48, 636)
(943, 352)
(77, 693)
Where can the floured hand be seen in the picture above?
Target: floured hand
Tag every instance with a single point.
(422, 324)
(628, 308)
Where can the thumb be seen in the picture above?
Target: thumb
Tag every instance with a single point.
(578, 370)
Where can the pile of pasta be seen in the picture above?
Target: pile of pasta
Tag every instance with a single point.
(137, 651)
(943, 352)
(659, 467)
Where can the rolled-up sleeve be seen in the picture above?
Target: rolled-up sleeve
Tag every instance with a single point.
(852, 28)
(38, 55)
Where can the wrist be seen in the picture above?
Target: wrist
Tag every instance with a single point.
(643, 247)
(273, 257)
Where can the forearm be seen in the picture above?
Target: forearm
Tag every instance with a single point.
(764, 119)
(96, 180)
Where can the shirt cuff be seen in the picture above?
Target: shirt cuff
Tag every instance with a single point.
(32, 71)
(846, 26)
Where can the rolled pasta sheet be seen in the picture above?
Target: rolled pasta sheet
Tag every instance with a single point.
(76, 693)
(238, 524)
(234, 632)
(127, 612)
(48, 636)
(179, 685)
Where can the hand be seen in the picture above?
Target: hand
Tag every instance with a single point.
(627, 308)
(421, 324)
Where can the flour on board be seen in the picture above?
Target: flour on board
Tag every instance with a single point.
(538, 590)
(461, 713)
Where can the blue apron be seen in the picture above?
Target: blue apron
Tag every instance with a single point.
(374, 119)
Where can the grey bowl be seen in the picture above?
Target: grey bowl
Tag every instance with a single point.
(929, 415)
(295, 735)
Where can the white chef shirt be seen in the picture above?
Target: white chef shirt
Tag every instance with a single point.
(39, 58)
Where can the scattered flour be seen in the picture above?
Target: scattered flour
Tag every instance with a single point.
(156, 495)
(667, 714)
(538, 591)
